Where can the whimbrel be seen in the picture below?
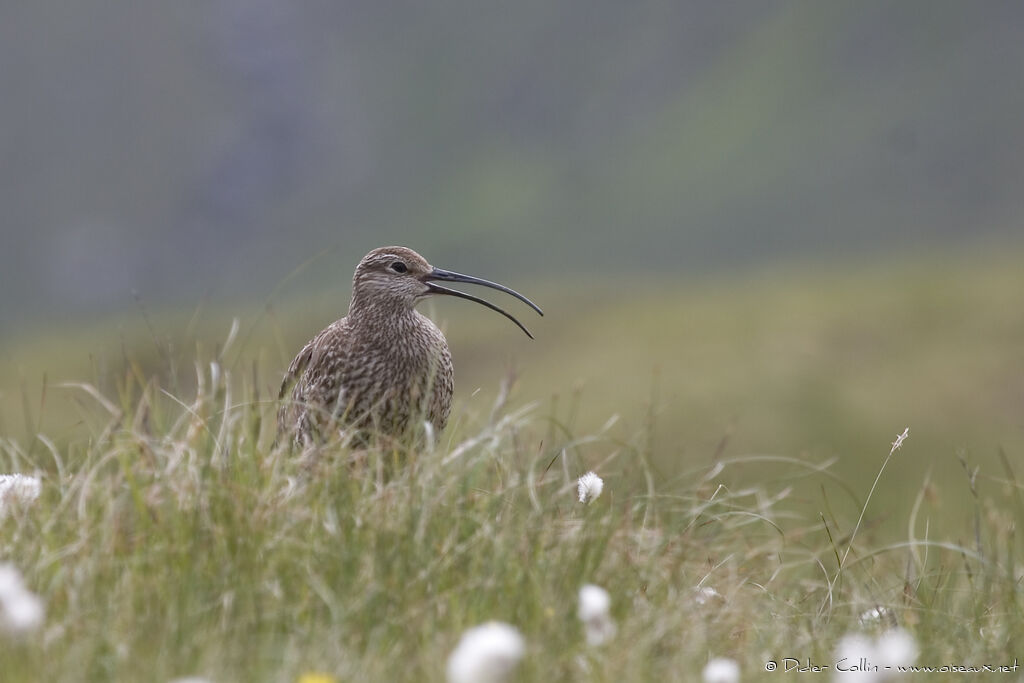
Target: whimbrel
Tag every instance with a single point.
(383, 367)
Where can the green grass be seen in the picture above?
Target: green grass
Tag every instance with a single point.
(173, 540)
(753, 416)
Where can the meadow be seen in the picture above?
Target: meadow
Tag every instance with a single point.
(740, 425)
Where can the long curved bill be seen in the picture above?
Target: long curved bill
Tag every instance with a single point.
(449, 276)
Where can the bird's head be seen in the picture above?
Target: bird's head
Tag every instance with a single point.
(399, 277)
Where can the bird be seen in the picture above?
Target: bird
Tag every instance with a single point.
(385, 367)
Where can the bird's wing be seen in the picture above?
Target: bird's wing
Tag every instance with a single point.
(298, 365)
(306, 369)
(312, 354)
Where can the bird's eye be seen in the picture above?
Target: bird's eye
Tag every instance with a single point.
(399, 267)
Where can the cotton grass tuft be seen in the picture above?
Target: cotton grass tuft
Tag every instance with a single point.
(589, 487)
(721, 670)
(876, 659)
(706, 594)
(873, 616)
(21, 610)
(895, 648)
(486, 654)
(595, 613)
(17, 489)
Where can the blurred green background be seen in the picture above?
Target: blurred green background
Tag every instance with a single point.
(755, 227)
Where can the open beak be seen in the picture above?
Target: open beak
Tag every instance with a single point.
(449, 276)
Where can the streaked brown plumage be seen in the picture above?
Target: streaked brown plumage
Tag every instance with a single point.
(384, 367)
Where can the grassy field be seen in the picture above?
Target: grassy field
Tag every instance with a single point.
(753, 416)
(173, 542)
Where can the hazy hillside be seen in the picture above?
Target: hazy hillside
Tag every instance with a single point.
(180, 150)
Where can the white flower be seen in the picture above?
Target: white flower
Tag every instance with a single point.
(854, 655)
(590, 486)
(17, 489)
(486, 654)
(595, 613)
(895, 648)
(706, 594)
(21, 610)
(874, 660)
(873, 616)
(721, 670)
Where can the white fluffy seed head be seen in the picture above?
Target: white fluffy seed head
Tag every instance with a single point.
(594, 602)
(895, 648)
(873, 616)
(850, 650)
(17, 489)
(721, 670)
(595, 613)
(10, 580)
(589, 487)
(23, 614)
(21, 610)
(705, 594)
(486, 654)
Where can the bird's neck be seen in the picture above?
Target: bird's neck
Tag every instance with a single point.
(382, 317)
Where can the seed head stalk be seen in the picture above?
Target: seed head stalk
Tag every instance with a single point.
(895, 446)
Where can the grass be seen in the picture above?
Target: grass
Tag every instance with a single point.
(742, 428)
(173, 540)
